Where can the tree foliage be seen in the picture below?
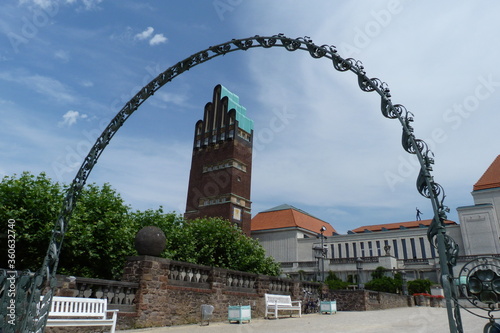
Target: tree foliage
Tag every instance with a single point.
(217, 242)
(102, 231)
(419, 286)
(379, 272)
(34, 203)
(383, 283)
(335, 283)
(100, 236)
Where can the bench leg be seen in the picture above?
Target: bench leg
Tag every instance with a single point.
(113, 327)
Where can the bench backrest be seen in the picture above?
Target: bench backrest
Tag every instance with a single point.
(278, 299)
(78, 307)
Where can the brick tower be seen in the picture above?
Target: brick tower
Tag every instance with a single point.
(221, 167)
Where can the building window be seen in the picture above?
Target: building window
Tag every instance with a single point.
(379, 253)
(362, 249)
(413, 248)
(347, 250)
(354, 250)
(395, 246)
(405, 251)
(340, 250)
(433, 252)
(333, 250)
(370, 248)
(422, 246)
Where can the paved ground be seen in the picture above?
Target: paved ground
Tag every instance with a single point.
(405, 320)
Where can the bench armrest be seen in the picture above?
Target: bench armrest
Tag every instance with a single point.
(114, 313)
(300, 302)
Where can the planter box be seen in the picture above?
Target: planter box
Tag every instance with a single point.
(239, 313)
(328, 307)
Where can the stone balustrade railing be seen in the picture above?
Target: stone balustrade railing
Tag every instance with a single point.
(120, 295)
(241, 281)
(280, 286)
(185, 272)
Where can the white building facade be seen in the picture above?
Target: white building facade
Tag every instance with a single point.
(399, 247)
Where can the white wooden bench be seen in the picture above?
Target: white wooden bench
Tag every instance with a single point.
(275, 303)
(76, 311)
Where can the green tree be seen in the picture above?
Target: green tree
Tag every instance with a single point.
(335, 283)
(100, 236)
(379, 272)
(419, 286)
(383, 283)
(34, 203)
(102, 230)
(219, 243)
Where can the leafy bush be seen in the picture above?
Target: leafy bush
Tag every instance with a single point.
(419, 286)
(384, 284)
(34, 203)
(379, 272)
(335, 283)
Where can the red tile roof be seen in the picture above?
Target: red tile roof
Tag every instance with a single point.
(400, 225)
(491, 178)
(286, 216)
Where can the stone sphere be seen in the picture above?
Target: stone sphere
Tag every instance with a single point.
(150, 241)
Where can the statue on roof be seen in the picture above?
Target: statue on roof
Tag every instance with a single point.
(418, 214)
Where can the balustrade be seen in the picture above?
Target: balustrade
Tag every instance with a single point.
(182, 272)
(236, 280)
(119, 294)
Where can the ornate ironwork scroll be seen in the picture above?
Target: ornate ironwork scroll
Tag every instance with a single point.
(479, 283)
(31, 314)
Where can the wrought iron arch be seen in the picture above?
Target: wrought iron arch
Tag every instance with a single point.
(31, 316)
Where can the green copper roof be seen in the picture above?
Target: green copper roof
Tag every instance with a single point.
(244, 122)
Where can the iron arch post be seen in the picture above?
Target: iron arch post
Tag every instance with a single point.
(31, 313)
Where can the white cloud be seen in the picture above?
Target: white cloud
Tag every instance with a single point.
(71, 117)
(90, 4)
(43, 85)
(62, 55)
(87, 83)
(145, 34)
(40, 3)
(157, 39)
(44, 4)
(171, 98)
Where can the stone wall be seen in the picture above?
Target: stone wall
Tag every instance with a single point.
(171, 292)
(157, 292)
(366, 300)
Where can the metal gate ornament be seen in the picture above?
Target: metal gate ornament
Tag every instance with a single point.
(31, 315)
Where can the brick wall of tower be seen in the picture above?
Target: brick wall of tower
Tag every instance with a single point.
(224, 185)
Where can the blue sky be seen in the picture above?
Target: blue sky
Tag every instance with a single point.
(67, 67)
